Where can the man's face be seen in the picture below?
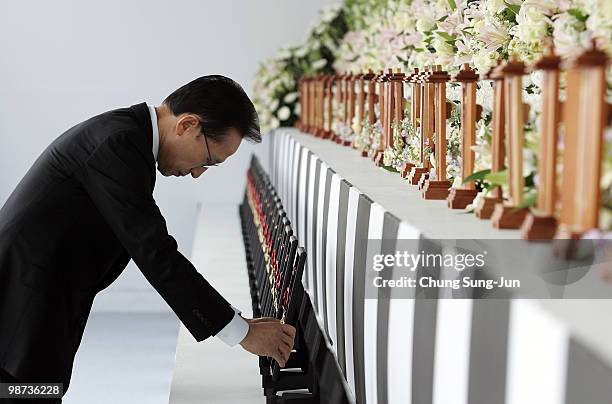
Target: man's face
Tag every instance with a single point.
(184, 150)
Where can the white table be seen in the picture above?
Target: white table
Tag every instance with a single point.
(210, 371)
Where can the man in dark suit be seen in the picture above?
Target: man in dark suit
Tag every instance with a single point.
(86, 207)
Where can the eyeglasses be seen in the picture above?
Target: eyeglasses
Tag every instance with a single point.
(210, 162)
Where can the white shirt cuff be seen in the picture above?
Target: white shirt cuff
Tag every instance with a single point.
(235, 331)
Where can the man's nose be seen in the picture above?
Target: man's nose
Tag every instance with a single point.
(196, 172)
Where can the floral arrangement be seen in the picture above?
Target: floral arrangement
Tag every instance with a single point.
(381, 34)
(275, 87)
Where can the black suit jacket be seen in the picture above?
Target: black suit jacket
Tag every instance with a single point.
(69, 229)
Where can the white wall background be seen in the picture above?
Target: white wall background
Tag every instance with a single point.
(63, 61)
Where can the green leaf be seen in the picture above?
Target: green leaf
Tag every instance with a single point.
(452, 4)
(498, 178)
(478, 175)
(530, 199)
(577, 14)
(447, 36)
(514, 8)
(390, 168)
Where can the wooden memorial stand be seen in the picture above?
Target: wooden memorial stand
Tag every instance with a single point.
(395, 105)
(342, 101)
(460, 198)
(585, 114)
(486, 205)
(318, 106)
(370, 84)
(303, 121)
(359, 88)
(438, 188)
(328, 89)
(339, 95)
(425, 125)
(299, 122)
(381, 79)
(542, 224)
(312, 105)
(349, 103)
(415, 108)
(508, 215)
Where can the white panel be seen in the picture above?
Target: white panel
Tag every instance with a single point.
(287, 169)
(300, 224)
(289, 180)
(319, 241)
(294, 183)
(312, 231)
(375, 230)
(537, 355)
(330, 252)
(349, 256)
(275, 157)
(281, 172)
(452, 353)
(401, 334)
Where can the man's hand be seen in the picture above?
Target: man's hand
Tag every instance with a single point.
(268, 337)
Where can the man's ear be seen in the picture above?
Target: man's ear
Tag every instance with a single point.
(186, 122)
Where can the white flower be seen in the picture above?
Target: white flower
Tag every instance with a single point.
(329, 13)
(319, 64)
(284, 53)
(532, 20)
(425, 24)
(494, 36)
(290, 97)
(301, 51)
(274, 123)
(273, 105)
(283, 113)
(494, 6)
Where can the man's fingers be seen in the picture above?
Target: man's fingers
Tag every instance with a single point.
(285, 355)
(289, 330)
(286, 346)
(280, 358)
(287, 339)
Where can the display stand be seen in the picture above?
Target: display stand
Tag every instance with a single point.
(359, 88)
(542, 223)
(585, 114)
(510, 214)
(438, 188)
(381, 79)
(415, 108)
(425, 128)
(460, 198)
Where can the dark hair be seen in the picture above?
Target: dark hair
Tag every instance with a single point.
(220, 103)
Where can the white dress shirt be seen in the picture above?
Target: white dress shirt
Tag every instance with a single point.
(237, 329)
